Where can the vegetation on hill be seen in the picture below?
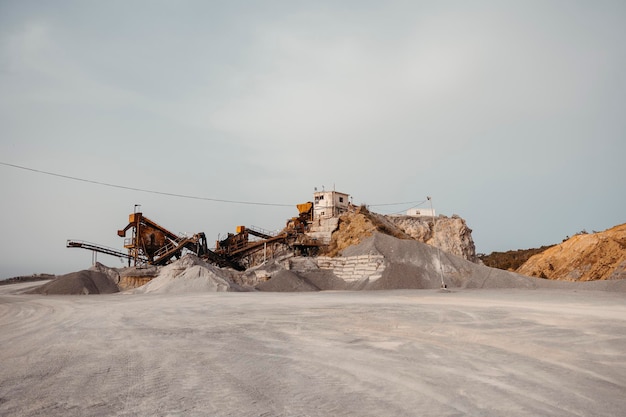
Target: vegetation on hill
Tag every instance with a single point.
(510, 260)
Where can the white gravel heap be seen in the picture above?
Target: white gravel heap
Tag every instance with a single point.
(189, 274)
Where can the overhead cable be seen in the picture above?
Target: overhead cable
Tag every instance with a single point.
(124, 187)
(143, 190)
(404, 211)
(417, 203)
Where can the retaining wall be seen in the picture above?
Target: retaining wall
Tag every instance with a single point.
(354, 268)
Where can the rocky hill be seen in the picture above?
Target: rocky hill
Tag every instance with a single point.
(449, 234)
(583, 257)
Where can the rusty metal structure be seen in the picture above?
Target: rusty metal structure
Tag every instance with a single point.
(151, 243)
(154, 244)
(238, 247)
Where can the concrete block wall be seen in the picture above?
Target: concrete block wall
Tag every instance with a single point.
(354, 268)
(322, 229)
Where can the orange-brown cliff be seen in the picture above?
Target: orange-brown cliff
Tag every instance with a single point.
(583, 257)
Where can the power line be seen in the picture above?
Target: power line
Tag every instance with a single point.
(417, 203)
(124, 187)
(192, 197)
(404, 211)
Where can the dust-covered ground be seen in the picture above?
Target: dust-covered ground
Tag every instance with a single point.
(480, 352)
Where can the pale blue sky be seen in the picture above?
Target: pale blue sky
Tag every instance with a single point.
(509, 114)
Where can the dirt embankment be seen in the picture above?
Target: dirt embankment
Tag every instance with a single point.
(584, 257)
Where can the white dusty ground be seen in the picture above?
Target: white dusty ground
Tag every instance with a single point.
(502, 352)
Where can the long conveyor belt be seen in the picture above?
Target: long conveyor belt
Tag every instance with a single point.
(96, 248)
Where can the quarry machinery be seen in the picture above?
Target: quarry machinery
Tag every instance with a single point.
(301, 223)
(237, 246)
(152, 243)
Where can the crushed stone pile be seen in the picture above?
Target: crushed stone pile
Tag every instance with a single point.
(287, 281)
(413, 264)
(79, 283)
(405, 257)
(189, 274)
(410, 264)
(279, 276)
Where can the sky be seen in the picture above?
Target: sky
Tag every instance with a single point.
(508, 114)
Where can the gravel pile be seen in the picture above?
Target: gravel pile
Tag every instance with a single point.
(414, 265)
(287, 281)
(189, 274)
(78, 283)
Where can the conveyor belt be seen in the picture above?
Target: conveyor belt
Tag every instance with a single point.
(255, 246)
(96, 248)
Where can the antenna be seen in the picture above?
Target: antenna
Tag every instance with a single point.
(443, 284)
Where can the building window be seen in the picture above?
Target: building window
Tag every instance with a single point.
(341, 199)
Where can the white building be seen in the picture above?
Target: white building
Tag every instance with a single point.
(420, 212)
(329, 204)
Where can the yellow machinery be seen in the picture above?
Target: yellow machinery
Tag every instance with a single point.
(305, 216)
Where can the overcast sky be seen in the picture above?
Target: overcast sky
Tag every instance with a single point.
(509, 114)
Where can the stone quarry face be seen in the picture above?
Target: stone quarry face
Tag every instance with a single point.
(450, 234)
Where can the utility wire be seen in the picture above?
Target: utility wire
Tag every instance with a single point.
(192, 197)
(403, 211)
(398, 204)
(124, 187)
